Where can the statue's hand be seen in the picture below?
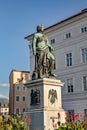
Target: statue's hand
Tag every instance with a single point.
(52, 48)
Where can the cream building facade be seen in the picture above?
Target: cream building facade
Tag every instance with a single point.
(4, 106)
(18, 95)
(69, 40)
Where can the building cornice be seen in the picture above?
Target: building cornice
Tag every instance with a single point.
(62, 23)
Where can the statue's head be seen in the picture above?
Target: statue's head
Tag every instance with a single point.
(40, 28)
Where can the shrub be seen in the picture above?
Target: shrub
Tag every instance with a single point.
(11, 123)
(77, 122)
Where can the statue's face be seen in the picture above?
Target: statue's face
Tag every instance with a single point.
(40, 28)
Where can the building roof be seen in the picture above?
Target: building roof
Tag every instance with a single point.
(20, 71)
(14, 70)
(82, 12)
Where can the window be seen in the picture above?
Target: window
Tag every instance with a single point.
(85, 114)
(23, 98)
(85, 82)
(17, 98)
(68, 35)
(17, 87)
(52, 41)
(6, 105)
(70, 115)
(70, 85)
(23, 109)
(17, 110)
(84, 55)
(24, 88)
(2, 105)
(84, 29)
(1, 109)
(69, 59)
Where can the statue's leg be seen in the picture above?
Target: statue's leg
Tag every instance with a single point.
(34, 75)
(51, 65)
(47, 67)
(40, 64)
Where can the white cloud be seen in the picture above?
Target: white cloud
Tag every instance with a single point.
(3, 96)
(4, 85)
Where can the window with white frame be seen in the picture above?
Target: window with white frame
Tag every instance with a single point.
(17, 98)
(85, 114)
(85, 82)
(69, 59)
(84, 55)
(84, 29)
(70, 115)
(52, 41)
(70, 85)
(68, 35)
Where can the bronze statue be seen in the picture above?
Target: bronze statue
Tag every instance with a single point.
(35, 97)
(44, 58)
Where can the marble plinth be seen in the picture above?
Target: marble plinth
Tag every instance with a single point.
(43, 110)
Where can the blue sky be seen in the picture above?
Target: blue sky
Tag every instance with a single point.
(19, 18)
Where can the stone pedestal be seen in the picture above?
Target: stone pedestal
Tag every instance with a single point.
(45, 104)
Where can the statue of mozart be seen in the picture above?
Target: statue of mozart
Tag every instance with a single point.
(44, 58)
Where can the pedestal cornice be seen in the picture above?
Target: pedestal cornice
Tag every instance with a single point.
(45, 81)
